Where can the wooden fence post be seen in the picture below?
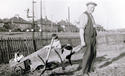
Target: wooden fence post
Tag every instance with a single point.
(1, 50)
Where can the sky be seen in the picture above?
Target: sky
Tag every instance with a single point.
(109, 13)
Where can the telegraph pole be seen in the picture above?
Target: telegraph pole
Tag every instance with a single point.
(41, 18)
(33, 24)
(69, 15)
(34, 44)
(33, 14)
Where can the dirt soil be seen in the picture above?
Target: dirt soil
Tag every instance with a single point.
(110, 61)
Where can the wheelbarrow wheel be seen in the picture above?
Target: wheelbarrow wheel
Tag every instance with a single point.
(18, 70)
(43, 70)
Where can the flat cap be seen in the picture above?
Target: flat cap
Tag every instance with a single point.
(92, 3)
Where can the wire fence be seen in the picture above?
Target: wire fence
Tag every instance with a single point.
(8, 46)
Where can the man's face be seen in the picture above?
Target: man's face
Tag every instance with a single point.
(91, 8)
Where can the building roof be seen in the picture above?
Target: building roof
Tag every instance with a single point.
(46, 21)
(1, 20)
(16, 20)
(63, 22)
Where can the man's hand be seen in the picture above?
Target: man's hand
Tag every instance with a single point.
(82, 44)
(95, 25)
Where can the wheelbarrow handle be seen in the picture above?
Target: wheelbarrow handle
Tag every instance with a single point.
(50, 48)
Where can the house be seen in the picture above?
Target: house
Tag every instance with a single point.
(1, 23)
(47, 25)
(2, 28)
(67, 27)
(20, 23)
(16, 24)
(99, 28)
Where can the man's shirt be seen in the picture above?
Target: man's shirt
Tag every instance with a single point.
(83, 19)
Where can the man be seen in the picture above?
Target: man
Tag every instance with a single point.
(88, 38)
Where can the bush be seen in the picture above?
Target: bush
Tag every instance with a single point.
(2, 29)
